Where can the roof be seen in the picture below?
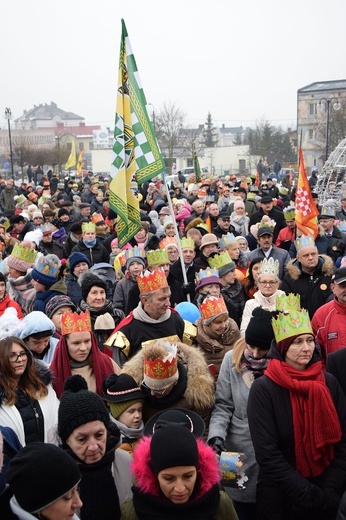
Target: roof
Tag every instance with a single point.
(322, 86)
(47, 112)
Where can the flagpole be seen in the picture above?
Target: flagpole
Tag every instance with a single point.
(169, 200)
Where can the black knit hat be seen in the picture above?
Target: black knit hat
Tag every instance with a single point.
(172, 445)
(40, 474)
(62, 211)
(259, 332)
(87, 281)
(79, 406)
(57, 223)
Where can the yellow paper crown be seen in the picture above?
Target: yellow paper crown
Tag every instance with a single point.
(24, 253)
(289, 213)
(187, 242)
(167, 241)
(213, 306)
(151, 281)
(157, 256)
(304, 241)
(206, 274)
(291, 324)
(88, 226)
(269, 266)
(287, 302)
(219, 260)
(74, 322)
(226, 240)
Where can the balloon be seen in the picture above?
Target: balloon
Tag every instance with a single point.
(188, 311)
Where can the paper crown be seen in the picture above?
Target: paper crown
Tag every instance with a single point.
(151, 281)
(287, 302)
(97, 217)
(206, 274)
(219, 260)
(283, 190)
(24, 253)
(88, 226)
(187, 242)
(291, 324)
(167, 220)
(202, 193)
(342, 226)
(46, 228)
(226, 240)
(134, 251)
(328, 211)
(160, 365)
(304, 241)
(213, 306)
(289, 213)
(167, 241)
(74, 322)
(269, 266)
(20, 199)
(48, 265)
(270, 223)
(157, 256)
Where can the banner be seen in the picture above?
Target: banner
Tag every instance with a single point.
(196, 166)
(80, 163)
(136, 156)
(71, 161)
(306, 209)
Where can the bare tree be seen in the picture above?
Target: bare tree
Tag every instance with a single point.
(168, 123)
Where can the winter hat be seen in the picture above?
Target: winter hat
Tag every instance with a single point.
(225, 269)
(76, 228)
(181, 416)
(172, 445)
(87, 281)
(79, 406)
(77, 258)
(62, 211)
(37, 214)
(208, 239)
(120, 391)
(238, 204)
(259, 332)
(46, 270)
(34, 236)
(57, 302)
(22, 257)
(37, 325)
(44, 467)
(57, 223)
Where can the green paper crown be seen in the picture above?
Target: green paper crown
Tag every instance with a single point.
(187, 242)
(292, 324)
(269, 266)
(287, 302)
(218, 261)
(157, 256)
(88, 226)
(289, 213)
(283, 190)
(20, 199)
(270, 224)
(24, 253)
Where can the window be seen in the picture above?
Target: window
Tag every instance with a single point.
(311, 133)
(313, 109)
(81, 147)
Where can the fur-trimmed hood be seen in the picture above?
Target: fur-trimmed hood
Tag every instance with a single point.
(146, 481)
(42, 371)
(325, 266)
(199, 393)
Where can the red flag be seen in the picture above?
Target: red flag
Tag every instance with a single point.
(306, 209)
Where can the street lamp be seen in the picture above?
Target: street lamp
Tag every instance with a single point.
(336, 106)
(8, 115)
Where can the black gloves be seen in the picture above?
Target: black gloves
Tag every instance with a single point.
(217, 444)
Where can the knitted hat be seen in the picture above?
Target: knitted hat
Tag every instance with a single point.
(57, 223)
(238, 204)
(57, 302)
(172, 445)
(76, 228)
(79, 406)
(46, 270)
(120, 392)
(62, 211)
(37, 214)
(87, 281)
(44, 467)
(22, 257)
(259, 332)
(77, 258)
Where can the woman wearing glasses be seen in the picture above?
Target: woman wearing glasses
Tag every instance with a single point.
(268, 283)
(28, 403)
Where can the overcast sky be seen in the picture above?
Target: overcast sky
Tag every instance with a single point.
(241, 60)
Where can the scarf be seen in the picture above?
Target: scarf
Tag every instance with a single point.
(140, 314)
(126, 432)
(315, 420)
(213, 342)
(255, 366)
(89, 244)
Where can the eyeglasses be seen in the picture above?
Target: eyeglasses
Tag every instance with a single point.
(14, 357)
(271, 283)
(156, 392)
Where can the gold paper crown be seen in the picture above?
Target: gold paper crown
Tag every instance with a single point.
(226, 240)
(157, 256)
(213, 306)
(97, 217)
(291, 324)
(134, 251)
(167, 241)
(160, 364)
(304, 241)
(206, 274)
(269, 266)
(151, 281)
(74, 322)
(219, 260)
(187, 242)
(287, 302)
(289, 213)
(24, 253)
(88, 226)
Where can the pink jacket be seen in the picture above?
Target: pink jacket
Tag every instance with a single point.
(184, 213)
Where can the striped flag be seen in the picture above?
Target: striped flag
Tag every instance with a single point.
(71, 161)
(306, 209)
(136, 155)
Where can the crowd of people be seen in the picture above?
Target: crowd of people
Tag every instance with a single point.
(130, 376)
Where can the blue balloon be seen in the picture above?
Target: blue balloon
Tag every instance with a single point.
(188, 311)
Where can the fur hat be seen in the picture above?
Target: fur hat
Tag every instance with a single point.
(46, 270)
(87, 281)
(77, 258)
(120, 391)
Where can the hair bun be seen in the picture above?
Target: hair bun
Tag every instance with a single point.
(75, 384)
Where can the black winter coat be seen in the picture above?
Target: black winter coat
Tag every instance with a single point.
(274, 214)
(96, 254)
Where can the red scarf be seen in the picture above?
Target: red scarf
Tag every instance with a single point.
(61, 368)
(315, 421)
